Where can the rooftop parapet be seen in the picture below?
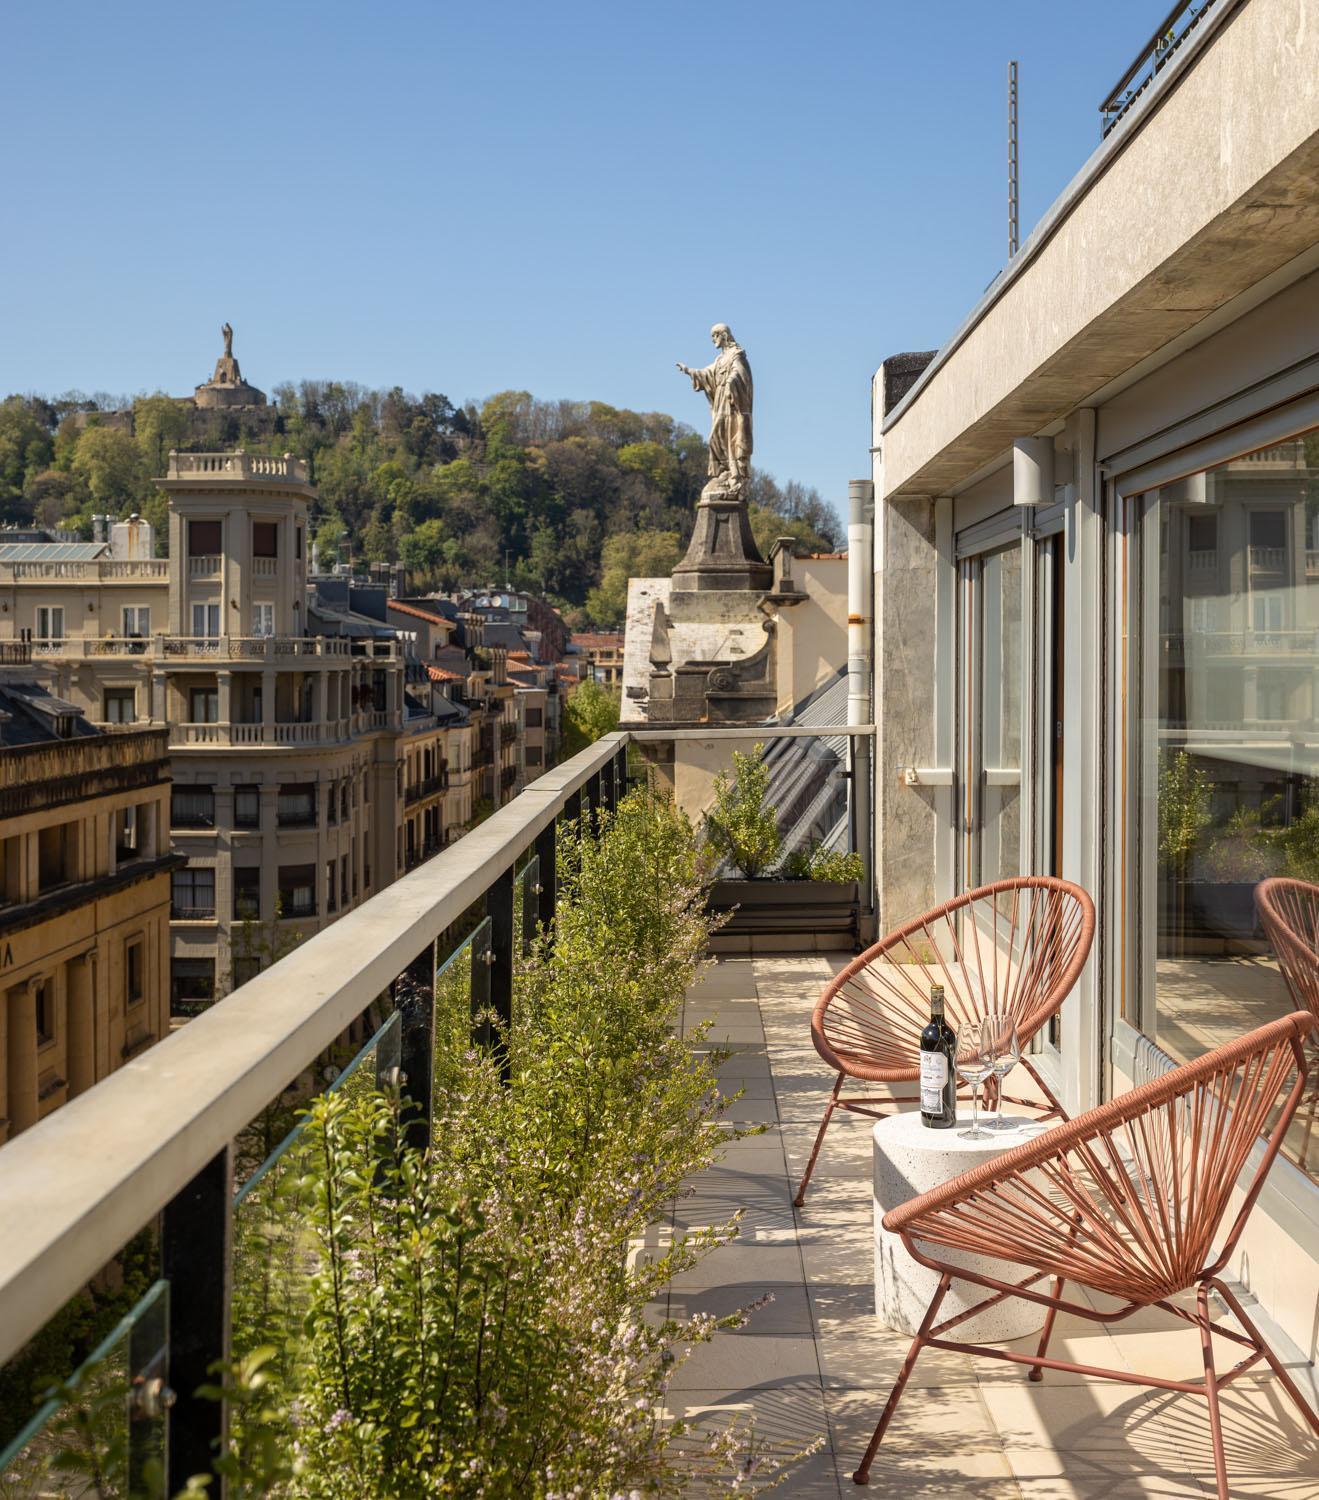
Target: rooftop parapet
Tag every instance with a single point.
(236, 466)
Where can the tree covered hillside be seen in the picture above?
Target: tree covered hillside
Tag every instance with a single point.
(564, 498)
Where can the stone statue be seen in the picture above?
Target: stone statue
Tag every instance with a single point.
(228, 335)
(727, 387)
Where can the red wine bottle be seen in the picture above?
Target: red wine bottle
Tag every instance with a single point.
(938, 1073)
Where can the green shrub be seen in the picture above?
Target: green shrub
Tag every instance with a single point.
(741, 826)
(833, 865)
(472, 1323)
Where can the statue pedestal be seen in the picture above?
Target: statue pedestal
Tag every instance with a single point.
(723, 554)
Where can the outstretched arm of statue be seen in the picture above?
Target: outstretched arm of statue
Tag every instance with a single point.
(684, 368)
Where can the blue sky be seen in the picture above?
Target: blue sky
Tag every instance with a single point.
(555, 197)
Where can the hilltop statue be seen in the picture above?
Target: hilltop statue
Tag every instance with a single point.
(727, 387)
(227, 334)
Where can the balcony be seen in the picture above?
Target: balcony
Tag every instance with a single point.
(207, 650)
(236, 466)
(812, 1366)
(205, 565)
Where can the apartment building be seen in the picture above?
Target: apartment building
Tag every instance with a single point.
(603, 650)
(284, 742)
(84, 898)
(1097, 583)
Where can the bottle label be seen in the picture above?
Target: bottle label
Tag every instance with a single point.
(934, 1075)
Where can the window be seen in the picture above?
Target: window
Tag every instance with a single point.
(297, 890)
(343, 879)
(1201, 534)
(247, 893)
(126, 835)
(296, 805)
(120, 706)
(331, 905)
(193, 893)
(263, 619)
(533, 755)
(247, 807)
(343, 801)
(192, 807)
(204, 539)
(203, 705)
(206, 621)
(11, 869)
(135, 971)
(265, 539)
(45, 1004)
(331, 807)
(298, 550)
(191, 986)
(1222, 789)
(535, 718)
(137, 620)
(55, 855)
(50, 622)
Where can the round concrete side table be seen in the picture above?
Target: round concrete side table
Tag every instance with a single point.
(910, 1159)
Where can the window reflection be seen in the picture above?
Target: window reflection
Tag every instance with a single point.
(1229, 748)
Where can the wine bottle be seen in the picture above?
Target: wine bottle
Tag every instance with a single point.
(938, 1074)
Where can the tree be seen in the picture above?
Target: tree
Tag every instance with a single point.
(638, 554)
(592, 711)
(422, 551)
(25, 445)
(741, 825)
(111, 466)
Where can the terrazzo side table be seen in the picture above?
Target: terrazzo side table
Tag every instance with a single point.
(910, 1159)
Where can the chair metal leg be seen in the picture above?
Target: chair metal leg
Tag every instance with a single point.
(862, 1475)
(819, 1141)
(1211, 1390)
(1037, 1374)
(1277, 1366)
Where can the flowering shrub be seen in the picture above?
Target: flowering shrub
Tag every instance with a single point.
(470, 1322)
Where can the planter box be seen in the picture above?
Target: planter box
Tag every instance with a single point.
(772, 907)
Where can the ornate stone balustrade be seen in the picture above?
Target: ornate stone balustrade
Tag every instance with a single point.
(238, 465)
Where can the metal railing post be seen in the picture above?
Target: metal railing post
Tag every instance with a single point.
(414, 999)
(593, 803)
(499, 908)
(197, 1261)
(546, 852)
(620, 771)
(609, 787)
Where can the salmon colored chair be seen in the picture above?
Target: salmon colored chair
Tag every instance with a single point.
(1289, 911)
(1017, 945)
(1126, 1200)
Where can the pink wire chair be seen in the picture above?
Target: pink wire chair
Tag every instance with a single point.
(1289, 910)
(1017, 945)
(1127, 1200)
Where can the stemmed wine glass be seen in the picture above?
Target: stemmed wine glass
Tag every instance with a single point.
(1004, 1048)
(975, 1062)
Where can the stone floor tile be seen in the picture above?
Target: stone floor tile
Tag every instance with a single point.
(745, 1262)
(1100, 1434)
(783, 1421)
(857, 1351)
(941, 1445)
(742, 1361)
(787, 1314)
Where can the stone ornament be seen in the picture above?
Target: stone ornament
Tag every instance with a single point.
(728, 388)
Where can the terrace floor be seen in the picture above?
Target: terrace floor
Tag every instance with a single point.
(816, 1362)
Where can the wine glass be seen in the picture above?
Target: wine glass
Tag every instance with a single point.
(975, 1063)
(1003, 1046)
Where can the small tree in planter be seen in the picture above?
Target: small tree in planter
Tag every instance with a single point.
(1184, 814)
(740, 826)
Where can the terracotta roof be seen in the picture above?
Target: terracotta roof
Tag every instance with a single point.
(438, 674)
(421, 614)
(598, 640)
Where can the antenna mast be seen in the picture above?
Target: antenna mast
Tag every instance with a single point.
(1014, 238)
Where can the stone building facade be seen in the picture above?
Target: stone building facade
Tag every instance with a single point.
(85, 869)
(284, 744)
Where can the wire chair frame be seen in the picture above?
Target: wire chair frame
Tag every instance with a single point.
(1289, 913)
(1127, 1200)
(1017, 946)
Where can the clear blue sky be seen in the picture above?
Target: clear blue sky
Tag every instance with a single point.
(560, 197)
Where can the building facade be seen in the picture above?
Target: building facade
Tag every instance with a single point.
(84, 906)
(284, 743)
(1097, 583)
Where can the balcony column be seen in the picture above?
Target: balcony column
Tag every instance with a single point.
(268, 704)
(21, 1064)
(225, 684)
(1249, 694)
(82, 1022)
